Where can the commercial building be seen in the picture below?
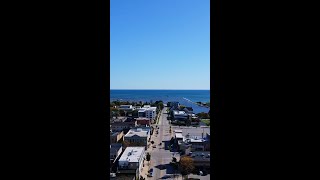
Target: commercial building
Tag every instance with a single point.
(138, 136)
(123, 124)
(179, 115)
(148, 112)
(131, 161)
(143, 121)
(201, 158)
(115, 151)
(192, 139)
(126, 107)
(116, 136)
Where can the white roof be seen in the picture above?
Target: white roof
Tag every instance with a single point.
(138, 132)
(146, 106)
(178, 131)
(179, 135)
(142, 109)
(179, 112)
(132, 154)
(152, 108)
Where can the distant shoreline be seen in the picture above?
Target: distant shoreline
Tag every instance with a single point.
(165, 89)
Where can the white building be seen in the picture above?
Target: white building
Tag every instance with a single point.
(180, 115)
(148, 112)
(132, 158)
(126, 107)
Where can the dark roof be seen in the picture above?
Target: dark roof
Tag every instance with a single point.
(201, 155)
(189, 108)
(115, 147)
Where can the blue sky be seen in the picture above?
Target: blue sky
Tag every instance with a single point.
(160, 44)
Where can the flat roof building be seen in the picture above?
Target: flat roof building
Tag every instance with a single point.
(131, 161)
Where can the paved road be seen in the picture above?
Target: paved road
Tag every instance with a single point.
(159, 155)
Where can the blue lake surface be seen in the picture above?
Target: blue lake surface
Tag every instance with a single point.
(185, 97)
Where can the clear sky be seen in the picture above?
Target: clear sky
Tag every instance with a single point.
(160, 44)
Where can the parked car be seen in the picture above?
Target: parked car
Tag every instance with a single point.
(150, 174)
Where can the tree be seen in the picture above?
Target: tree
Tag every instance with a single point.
(186, 165)
(121, 112)
(148, 157)
(152, 142)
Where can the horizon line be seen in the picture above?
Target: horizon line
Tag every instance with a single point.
(161, 89)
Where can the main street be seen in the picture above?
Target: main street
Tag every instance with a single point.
(159, 155)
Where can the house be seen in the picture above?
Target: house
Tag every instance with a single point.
(138, 136)
(116, 137)
(115, 151)
(131, 161)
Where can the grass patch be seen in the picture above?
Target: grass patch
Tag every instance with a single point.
(206, 121)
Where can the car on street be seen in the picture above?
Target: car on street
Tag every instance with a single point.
(154, 146)
(150, 174)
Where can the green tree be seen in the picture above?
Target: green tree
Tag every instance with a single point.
(121, 112)
(148, 157)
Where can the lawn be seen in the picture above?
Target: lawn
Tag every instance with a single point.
(206, 121)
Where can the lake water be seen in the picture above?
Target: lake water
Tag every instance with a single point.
(185, 97)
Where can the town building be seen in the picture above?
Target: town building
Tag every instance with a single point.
(192, 140)
(131, 161)
(180, 115)
(138, 136)
(116, 137)
(148, 112)
(201, 158)
(126, 107)
(115, 151)
(143, 121)
(123, 124)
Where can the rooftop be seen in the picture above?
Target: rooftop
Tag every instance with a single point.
(132, 154)
(115, 133)
(125, 106)
(115, 146)
(200, 155)
(142, 132)
(179, 113)
(179, 135)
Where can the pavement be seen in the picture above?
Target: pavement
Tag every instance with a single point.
(161, 156)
